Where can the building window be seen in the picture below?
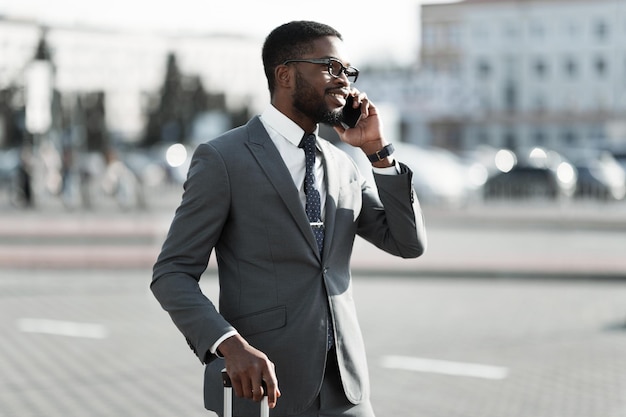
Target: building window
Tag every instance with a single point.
(454, 35)
(600, 66)
(430, 36)
(510, 141)
(510, 97)
(571, 67)
(510, 30)
(569, 137)
(596, 132)
(601, 30)
(541, 68)
(482, 137)
(539, 138)
(483, 69)
(572, 30)
(537, 30)
(454, 67)
(480, 31)
(510, 66)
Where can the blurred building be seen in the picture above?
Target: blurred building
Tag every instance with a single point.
(421, 107)
(543, 72)
(128, 67)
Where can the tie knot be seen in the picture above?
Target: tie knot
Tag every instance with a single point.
(307, 142)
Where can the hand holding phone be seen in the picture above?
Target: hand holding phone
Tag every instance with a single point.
(350, 115)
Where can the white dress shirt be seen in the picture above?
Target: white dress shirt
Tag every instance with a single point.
(286, 135)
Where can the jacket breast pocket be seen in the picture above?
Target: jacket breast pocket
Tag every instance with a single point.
(350, 196)
(261, 321)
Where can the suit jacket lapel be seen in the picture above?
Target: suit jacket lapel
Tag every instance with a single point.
(272, 164)
(331, 171)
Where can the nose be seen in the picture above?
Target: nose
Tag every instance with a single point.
(343, 76)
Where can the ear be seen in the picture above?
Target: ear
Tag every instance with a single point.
(283, 75)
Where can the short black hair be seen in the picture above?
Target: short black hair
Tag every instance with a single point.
(291, 41)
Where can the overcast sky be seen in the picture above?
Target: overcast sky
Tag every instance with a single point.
(372, 29)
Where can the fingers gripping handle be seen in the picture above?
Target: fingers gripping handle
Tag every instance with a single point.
(228, 397)
(228, 394)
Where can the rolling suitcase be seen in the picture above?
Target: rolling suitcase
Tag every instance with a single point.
(228, 398)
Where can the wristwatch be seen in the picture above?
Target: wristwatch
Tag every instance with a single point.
(381, 154)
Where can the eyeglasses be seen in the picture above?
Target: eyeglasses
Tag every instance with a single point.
(335, 67)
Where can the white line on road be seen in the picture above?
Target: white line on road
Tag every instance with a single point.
(444, 367)
(62, 328)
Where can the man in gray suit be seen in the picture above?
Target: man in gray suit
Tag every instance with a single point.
(283, 226)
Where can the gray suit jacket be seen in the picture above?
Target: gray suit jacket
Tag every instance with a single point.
(275, 288)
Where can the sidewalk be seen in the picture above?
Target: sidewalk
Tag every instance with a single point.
(487, 241)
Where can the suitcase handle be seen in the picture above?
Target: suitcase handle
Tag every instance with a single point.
(228, 397)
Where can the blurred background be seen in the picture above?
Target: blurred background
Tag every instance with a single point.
(492, 100)
(511, 113)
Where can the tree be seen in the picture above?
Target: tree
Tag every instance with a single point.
(182, 99)
(166, 122)
(12, 116)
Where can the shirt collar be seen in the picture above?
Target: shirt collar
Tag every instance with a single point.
(283, 125)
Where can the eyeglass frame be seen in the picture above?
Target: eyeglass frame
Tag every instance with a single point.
(328, 62)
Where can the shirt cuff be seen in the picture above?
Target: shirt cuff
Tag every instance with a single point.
(213, 348)
(392, 170)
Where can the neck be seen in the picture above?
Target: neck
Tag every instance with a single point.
(306, 123)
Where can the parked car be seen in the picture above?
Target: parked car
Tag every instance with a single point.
(599, 174)
(439, 176)
(537, 173)
(619, 153)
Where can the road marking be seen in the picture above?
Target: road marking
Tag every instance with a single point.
(63, 328)
(444, 367)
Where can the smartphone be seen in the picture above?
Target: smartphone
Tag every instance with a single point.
(350, 115)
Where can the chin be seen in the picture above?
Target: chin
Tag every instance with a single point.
(333, 117)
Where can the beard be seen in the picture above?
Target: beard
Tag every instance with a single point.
(310, 103)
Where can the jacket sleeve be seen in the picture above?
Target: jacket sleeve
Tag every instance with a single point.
(184, 256)
(391, 217)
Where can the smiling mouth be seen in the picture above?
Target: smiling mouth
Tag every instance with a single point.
(339, 96)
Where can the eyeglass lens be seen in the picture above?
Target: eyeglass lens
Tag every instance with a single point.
(337, 68)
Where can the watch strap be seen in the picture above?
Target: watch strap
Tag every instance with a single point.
(381, 154)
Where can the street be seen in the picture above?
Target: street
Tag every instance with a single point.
(95, 343)
(512, 312)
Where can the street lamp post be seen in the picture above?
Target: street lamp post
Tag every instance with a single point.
(38, 88)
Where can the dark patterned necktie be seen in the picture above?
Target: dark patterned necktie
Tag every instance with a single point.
(314, 208)
(313, 201)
